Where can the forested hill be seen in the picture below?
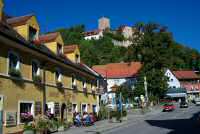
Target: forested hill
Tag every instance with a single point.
(154, 46)
(157, 45)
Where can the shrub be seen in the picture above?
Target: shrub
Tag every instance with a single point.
(103, 113)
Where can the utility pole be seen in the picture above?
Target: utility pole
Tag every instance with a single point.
(145, 88)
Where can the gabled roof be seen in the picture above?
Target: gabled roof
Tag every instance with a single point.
(185, 74)
(8, 32)
(118, 70)
(70, 48)
(17, 21)
(48, 37)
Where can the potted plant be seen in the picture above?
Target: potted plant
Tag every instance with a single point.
(42, 124)
(113, 116)
(29, 128)
(14, 72)
(26, 117)
(53, 125)
(61, 126)
(124, 115)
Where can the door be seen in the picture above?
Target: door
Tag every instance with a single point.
(1, 114)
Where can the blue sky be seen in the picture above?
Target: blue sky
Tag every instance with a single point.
(182, 17)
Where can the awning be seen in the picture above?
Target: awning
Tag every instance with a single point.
(174, 95)
(176, 92)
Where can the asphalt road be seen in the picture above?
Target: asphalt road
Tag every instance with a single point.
(180, 121)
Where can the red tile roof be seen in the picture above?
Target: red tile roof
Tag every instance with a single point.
(185, 75)
(48, 37)
(17, 21)
(118, 70)
(93, 32)
(70, 48)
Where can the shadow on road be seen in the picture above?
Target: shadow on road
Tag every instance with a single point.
(178, 126)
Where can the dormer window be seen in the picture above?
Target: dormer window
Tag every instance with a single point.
(32, 34)
(36, 75)
(58, 77)
(14, 65)
(59, 49)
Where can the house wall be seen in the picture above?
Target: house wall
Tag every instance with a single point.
(95, 37)
(15, 90)
(72, 55)
(173, 82)
(23, 31)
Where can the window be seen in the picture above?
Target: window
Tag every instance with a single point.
(59, 49)
(84, 84)
(94, 108)
(58, 75)
(74, 108)
(32, 34)
(84, 108)
(58, 78)
(14, 64)
(171, 79)
(36, 71)
(26, 111)
(77, 58)
(73, 82)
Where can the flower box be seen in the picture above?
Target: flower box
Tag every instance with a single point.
(26, 117)
(59, 84)
(14, 72)
(37, 78)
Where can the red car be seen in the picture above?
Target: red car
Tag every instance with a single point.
(168, 107)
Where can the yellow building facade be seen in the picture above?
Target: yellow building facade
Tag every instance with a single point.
(36, 75)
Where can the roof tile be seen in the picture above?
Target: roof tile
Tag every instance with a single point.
(118, 70)
(185, 74)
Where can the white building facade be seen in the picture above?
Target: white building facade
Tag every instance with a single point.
(173, 82)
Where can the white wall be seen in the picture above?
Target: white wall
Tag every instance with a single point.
(173, 81)
(95, 37)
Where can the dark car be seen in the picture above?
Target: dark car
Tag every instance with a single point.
(183, 105)
(168, 107)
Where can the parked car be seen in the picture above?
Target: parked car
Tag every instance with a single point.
(197, 101)
(168, 107)
(183, 104)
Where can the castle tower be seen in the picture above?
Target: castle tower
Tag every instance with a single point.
(104, 23)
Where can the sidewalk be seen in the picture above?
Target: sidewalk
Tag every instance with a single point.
(105, 125)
